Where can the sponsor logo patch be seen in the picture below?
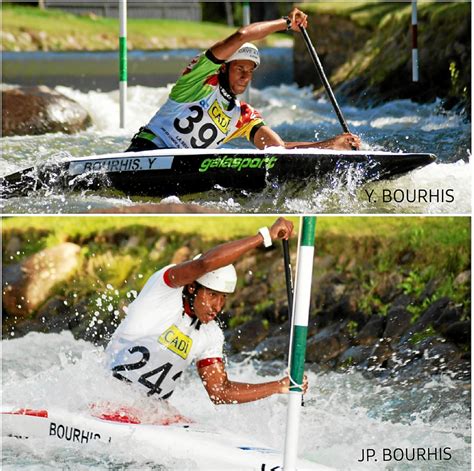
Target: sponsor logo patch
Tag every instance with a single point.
(238, 163)
(220, 119)
(173, 339)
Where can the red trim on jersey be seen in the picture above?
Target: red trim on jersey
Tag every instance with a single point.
(247, 114)
(167, 279)
(212, 80)
(208, 361)
(187, 308)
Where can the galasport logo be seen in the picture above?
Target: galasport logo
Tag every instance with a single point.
(238, 163)
(73, 434)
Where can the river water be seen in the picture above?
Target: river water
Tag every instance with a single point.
(343, 413)
(395, 126)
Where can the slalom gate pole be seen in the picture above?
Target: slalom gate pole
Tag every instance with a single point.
(123, 60)
(302, 295)
(414, 36)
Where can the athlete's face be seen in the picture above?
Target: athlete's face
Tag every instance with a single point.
(208, 303)
(240, 74)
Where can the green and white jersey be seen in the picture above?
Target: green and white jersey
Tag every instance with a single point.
(197, 115)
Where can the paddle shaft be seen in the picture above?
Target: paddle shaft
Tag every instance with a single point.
(324, 80)
(289, 284)
(288, 277)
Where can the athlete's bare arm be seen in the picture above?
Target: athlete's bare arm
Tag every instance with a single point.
(266, 137)
(223, 391)
(255, 31)
(225, 254)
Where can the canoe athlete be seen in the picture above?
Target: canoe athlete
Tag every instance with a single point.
(173, 322)
(202, 110)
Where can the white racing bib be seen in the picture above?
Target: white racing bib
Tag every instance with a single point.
(155, 364)
(197, 125)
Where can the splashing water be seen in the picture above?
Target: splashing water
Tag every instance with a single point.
(395, 126)
(344, 413)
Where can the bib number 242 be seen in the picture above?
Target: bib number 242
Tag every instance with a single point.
(207, 133)
(162, 371)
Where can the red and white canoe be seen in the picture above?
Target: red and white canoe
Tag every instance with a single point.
(173, 437)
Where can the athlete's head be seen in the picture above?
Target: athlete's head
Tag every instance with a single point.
(207, 295)
(240, 66)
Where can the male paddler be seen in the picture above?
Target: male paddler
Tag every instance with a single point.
(172, 322)
(202, 110)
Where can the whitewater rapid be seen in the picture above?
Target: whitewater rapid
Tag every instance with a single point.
(396, 126)
(343, 414)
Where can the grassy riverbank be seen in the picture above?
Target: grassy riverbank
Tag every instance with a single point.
(424, 248)
(366, 49)
(31, 29)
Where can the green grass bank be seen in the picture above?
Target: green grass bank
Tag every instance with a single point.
(32, 29)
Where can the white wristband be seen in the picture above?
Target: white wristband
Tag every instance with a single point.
(265, 233)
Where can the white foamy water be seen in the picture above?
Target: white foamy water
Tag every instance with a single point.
(395, 126)
(343, 413)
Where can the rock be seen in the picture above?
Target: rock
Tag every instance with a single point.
(247, 336)
(181, 255)
(324, 349)
(459, 332)
(398, 321)
(55, 316)
(333, 48)
(442, 352)
(273, 348)
(380, 355)
(433, 312)
(463, 278)
(354, 355)
(402, 300)
(254, 294)
(13, 245)
(246, 264)
(40, 110)
(371, 332)
(326, 345)
(449, 315)
(387, 287)
(28, 285)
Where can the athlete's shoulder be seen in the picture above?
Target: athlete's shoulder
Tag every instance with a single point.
(212, 331)
(204, 60)
(249, 117)
(248, 113)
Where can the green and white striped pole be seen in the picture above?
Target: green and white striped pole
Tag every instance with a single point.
(123, 60)
(301, 302)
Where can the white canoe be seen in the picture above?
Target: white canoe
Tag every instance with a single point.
(188, 441)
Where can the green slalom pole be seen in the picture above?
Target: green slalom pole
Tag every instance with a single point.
(301, 302)
(123, 60)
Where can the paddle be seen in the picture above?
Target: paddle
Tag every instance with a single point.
(288, 276)
(289, 284)
(324, 80)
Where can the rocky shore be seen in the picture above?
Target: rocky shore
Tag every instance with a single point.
(366, 52)
(380, 307)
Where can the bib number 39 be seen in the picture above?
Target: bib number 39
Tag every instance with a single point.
(206, 133)
(162, 371)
